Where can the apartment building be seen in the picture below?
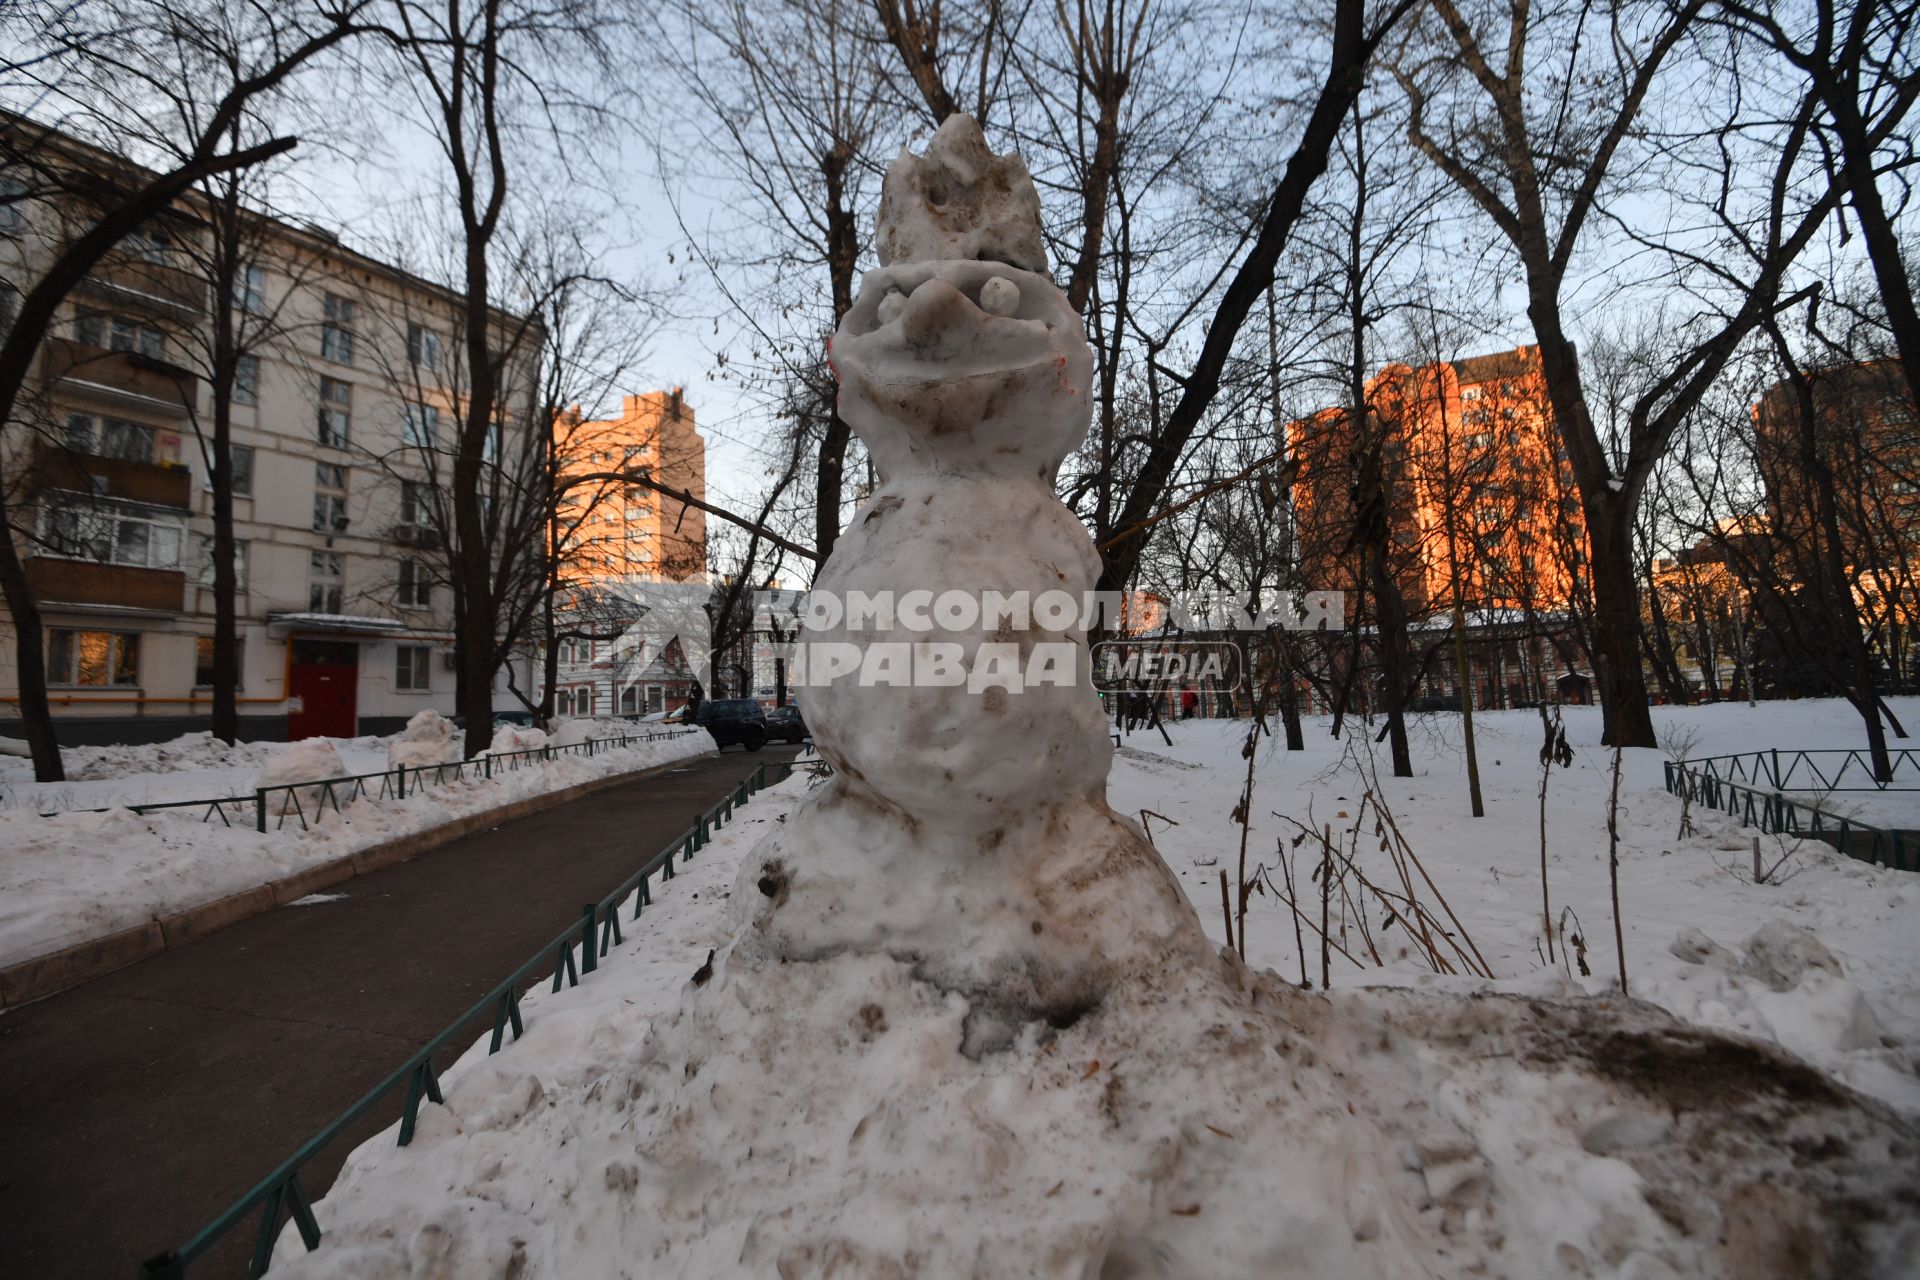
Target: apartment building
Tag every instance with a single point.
(1477, 500)
(615, 535)
(339, 463)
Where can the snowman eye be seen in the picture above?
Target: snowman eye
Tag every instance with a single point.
(891, 306)
(1000, 297)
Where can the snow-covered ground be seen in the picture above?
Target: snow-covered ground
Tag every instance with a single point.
(75, 875)
(1488, 869)
(658, 1121)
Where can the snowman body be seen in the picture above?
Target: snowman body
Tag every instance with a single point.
(965, 826)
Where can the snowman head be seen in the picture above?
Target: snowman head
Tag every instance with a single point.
(960, 356)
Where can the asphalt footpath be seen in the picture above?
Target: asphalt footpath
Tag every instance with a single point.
(135, 1108)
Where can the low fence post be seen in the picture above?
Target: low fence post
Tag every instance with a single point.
(260, 809)
(589, 954)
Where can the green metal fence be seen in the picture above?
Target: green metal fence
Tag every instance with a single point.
(1835, 769)
(281, 1195)
(292, 801)
(1700, 783)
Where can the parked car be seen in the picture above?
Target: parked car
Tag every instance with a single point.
(734, 720)
(1435, 702)
(787, 724)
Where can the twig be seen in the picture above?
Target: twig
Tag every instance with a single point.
(1326, 891)
(1226, 909)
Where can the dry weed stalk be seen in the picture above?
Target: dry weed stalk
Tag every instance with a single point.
(1554, 750)
(1613, 867)
(1440, 936)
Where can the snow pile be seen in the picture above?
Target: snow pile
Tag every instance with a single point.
(825, 1118)
(309, 760)
(429, 738)
(188, 751)
(76, 876)
(1788, 988)
(508, 738)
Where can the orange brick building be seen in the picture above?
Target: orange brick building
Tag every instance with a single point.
(614, 531)
(1473, 488)
(1473, 480)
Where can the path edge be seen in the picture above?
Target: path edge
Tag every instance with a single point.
(29, 980)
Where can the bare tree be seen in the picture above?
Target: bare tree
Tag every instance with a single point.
(487, 76)
(1541, 166)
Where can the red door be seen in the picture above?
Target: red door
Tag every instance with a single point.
(325, 678)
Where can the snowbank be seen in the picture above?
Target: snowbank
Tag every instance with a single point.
(429, 738)
(75, 876)
(822, 1118)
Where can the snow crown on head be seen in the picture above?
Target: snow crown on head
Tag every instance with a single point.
(960, 201)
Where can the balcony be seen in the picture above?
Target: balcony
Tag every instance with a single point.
(156, 484)
(135, 284)
(57, 582)
(122, 379)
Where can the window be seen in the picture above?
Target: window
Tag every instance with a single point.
(422, 429)
(414, 508)
(93, 657)
(416, 585)
(240, 456)
(108, 532)
(326, 582)
(423, 347)
(336, 412)
(336, 334)
(639, 513)
(563, 702)
(411, 666)
(246, 380)
(250, 290)
(203, 662)
(204, 558)
(329, 498)
(490, 453)
(105, 437)
(149, 244)
(117, 333)
(583, 701)
(629, 701)
(656, 698)
(13, 207)
(634, 452)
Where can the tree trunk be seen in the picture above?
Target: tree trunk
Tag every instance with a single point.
(843, 251)
(30, 663)
(226, 639)
(1625, 718)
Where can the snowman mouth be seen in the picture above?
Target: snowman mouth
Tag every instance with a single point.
(944, 320)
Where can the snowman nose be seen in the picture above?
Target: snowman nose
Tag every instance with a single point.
(931, 309)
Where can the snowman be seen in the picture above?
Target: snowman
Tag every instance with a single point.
(965, 827)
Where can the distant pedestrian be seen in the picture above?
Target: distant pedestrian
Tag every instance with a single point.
(1189, 703)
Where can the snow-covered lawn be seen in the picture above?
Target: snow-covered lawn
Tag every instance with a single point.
(1862, 1024)
(591, 1147)
(76, 875)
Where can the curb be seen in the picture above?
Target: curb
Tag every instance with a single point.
(42, 976)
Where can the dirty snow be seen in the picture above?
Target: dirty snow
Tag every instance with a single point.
(820, 1118)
